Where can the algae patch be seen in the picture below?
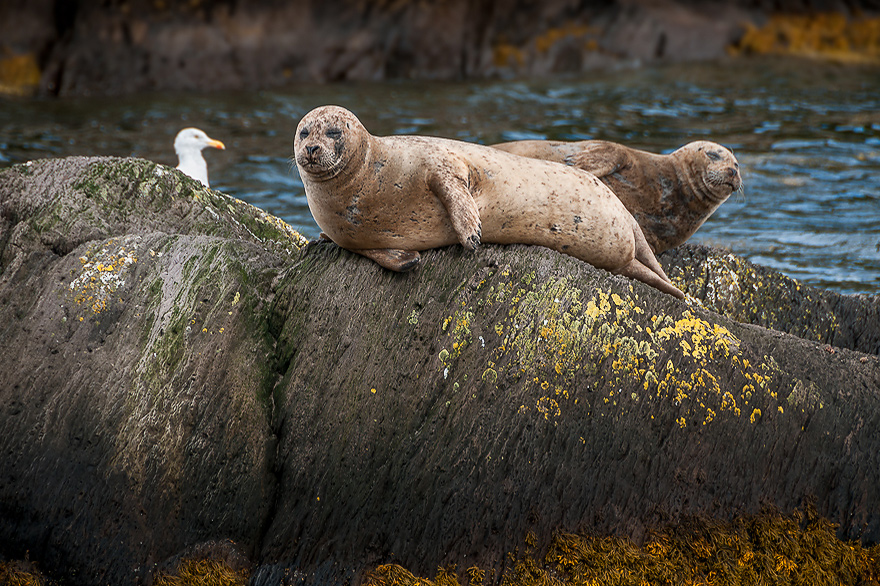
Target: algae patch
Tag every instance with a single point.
(768, 548)
(203, 573)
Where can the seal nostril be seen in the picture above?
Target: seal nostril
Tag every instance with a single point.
(311, 150)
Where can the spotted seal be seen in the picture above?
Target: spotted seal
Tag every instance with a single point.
(669, 195)
(387, 198)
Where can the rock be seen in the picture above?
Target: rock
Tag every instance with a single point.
(178, 372)
(88, 48)
(138, 403)
(750, 293)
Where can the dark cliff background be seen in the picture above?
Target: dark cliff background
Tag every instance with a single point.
(63, 47)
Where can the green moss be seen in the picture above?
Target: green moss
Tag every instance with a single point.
(189, 306)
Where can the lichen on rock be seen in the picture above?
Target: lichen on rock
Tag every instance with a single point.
(193, 374)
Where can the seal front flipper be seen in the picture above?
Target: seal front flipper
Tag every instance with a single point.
(392, 258)
(450, 185)
(599, 157)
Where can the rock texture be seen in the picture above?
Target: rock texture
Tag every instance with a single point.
(179, 371)
(757, 295)
(81, 48)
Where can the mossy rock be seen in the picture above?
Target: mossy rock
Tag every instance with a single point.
(750, 293)
(174, 377)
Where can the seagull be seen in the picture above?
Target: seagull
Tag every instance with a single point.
(188, 145)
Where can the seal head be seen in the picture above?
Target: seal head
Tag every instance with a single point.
(711, 170)
(324, 145)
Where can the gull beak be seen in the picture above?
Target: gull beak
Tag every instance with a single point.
(217, 144)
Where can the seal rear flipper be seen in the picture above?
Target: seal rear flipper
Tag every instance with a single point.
(392, 259)
(636, 270)
(644, 252)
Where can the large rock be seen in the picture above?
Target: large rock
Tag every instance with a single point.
(178, 370)
(92, 48)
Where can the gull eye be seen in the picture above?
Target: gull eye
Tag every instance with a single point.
(333, 133)
(304, 133)
(713, 155)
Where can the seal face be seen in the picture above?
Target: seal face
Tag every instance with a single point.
(670, 196)
(387, 198)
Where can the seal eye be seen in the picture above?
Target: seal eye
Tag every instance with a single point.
(713, 155)
(333, 133)
(304, 133)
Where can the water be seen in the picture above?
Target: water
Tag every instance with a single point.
(807, 136)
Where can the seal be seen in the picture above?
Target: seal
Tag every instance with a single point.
(670, 196)
(387, 198)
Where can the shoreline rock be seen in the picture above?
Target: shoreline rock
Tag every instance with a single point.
(75, 49)
(179, 370)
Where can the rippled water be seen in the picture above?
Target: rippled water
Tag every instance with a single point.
(807, 136)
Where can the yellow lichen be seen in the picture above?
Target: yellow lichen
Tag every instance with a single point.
(507, 55)
(552, 334)
(103, 268)
(548, 407)
(553, 36)
(19, 73)
(490, 376)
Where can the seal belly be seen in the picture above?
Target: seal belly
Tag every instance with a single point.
(394, 217)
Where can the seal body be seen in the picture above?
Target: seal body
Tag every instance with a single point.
(670, 196)
(389, 197)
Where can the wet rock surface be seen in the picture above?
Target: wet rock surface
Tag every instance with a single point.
(180, 370)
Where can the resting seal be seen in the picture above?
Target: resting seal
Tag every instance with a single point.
(387, 198)
(669, 195)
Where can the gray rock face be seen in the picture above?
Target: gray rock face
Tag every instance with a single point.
(87, 48)
(179, 369)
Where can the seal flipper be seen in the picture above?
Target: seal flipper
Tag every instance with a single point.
(645, 266)
(601, 158)
(636, 270)
(450, 185)
(392, 259)
(645, 253)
